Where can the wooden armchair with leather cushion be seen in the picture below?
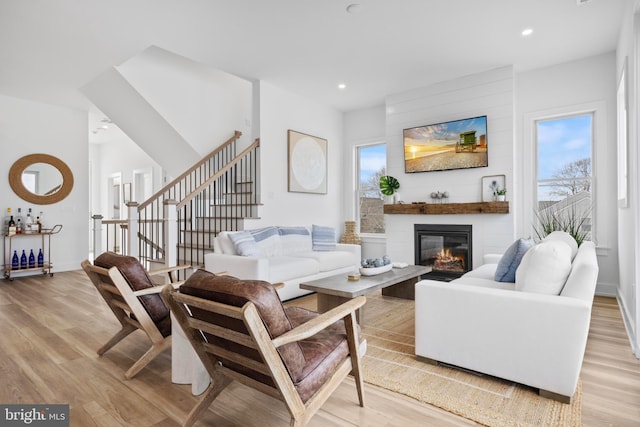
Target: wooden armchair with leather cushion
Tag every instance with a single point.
(135, 300)
(242, 332)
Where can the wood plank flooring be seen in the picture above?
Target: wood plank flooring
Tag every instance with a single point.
(52, 326)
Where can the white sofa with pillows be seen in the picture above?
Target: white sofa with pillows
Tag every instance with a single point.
(288, 255)
(523, 316)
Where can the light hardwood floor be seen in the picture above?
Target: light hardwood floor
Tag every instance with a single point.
(52, 326)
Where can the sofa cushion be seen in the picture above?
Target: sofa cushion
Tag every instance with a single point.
(283, 268)
(485, 271)
(508, 264)
(245, 243)
(268, 241)
(222, 244)
(295, 239)
(544, 268)
(330, 260)
(138, 279)
(323, 238)
(484, 282)
(232, 291)
(564, 237)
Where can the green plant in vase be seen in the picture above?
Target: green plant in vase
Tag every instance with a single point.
(388, 185)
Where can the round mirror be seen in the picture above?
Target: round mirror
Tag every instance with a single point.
(41, 179)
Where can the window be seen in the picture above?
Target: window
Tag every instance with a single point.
(564, 174)
(372, 164)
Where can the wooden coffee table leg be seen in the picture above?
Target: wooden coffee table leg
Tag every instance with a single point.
(405, 290)
(326, 302)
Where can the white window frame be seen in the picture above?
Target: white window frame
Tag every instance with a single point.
(529, 159)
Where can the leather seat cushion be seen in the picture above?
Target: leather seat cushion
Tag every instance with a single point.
(323, 352)
(138, 279)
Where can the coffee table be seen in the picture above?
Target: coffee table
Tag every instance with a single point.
(335, 290)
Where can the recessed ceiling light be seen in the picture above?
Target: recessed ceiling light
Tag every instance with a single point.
(342, 86)
(527, 32)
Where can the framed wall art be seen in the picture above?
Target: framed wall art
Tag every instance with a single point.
(491, 185)
(307, 163)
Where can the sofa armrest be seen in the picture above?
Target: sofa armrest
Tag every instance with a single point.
(491, 258)
(534, 339)
(238, 266)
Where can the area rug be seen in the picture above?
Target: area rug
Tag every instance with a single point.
(390, 363)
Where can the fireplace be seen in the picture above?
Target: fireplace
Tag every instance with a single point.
(445, 248)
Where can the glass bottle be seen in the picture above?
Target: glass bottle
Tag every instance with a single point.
(32, 259)
(15, 262)
(19, 221)
(40, 259)
(23, 260)
(28, 222)
(6, 221)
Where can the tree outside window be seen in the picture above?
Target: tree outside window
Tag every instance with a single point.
(372, 160)
(564, 175)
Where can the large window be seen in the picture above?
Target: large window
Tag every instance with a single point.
(372, 162)
(564, 174)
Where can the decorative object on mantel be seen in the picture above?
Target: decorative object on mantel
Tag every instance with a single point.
(494, 188)
(389, 186)
(440, 196)
(448, 208)
(350, 235)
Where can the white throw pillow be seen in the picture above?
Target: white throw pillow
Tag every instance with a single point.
(564, 237)
(544, 268)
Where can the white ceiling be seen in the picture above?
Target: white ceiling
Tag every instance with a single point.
(49, 49)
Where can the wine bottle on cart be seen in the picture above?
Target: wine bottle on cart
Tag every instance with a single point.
(23, 260)
(32, 259)
(40, 259)
(15, 261)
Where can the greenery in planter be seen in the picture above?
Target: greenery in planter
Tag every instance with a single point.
(388, 185)
(501, 192)
(570, 220)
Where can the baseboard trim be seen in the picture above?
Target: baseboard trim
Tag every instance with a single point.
(628, 325)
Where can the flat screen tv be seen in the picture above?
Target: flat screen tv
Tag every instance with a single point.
(459, 144)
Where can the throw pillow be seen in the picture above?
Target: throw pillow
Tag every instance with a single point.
(245, 243)
(295, 240)
(510, 261)
(323, 238)
(268, 241)
(564, 237)
(544, 268)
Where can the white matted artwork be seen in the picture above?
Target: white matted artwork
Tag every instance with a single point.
(490, 184)
(307, 163)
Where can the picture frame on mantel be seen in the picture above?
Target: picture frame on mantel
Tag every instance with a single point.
(307, 163)
(487, 181)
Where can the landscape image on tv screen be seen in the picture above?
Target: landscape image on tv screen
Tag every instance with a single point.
(458, 144)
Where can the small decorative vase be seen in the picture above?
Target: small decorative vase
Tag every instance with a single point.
(501, 197)
(350, 235)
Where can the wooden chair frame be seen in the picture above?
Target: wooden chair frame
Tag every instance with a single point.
(259, 339)
(125, 305)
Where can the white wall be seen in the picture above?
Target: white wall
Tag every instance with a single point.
(204, 105)
(628, 229)
(280, 111)
(563, 89)
(28, 128)
(491, 94)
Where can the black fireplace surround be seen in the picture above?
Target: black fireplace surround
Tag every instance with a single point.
(446, 248)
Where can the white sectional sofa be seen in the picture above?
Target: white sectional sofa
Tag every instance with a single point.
(278, 254)
(532, 331)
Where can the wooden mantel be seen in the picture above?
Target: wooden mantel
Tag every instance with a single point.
(448, 208)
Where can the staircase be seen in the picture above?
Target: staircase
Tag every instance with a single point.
(216, 194)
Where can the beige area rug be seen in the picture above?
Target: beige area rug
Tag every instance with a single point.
(390, 363)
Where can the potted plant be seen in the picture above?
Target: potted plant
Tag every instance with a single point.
(389, 185)
(501, 194)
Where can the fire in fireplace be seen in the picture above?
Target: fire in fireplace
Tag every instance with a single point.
(445, 248)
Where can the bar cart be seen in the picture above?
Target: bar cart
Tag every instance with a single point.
(45, 246)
